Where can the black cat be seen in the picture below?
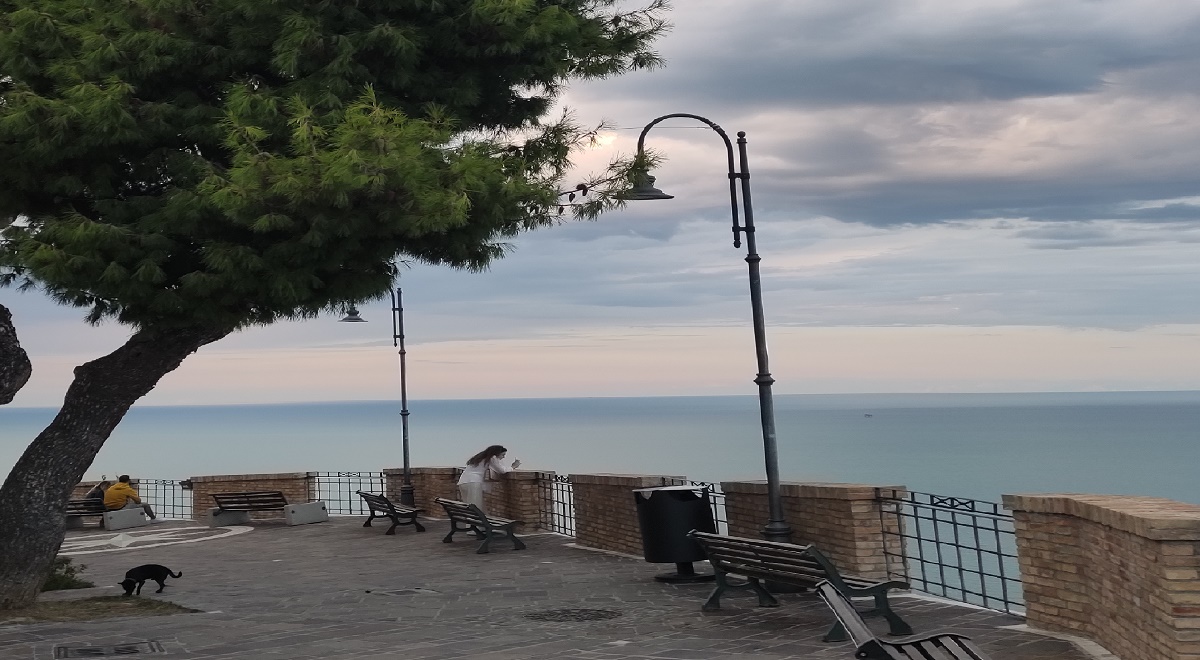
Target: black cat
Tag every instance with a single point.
(136, 577)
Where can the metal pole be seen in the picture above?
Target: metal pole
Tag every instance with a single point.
(406, 488)
(777, 528)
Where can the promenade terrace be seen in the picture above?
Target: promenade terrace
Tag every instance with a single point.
(339, 590)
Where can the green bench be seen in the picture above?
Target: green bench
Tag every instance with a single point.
(801, 566)
(942, 646)
(473, 520)
(397, 513)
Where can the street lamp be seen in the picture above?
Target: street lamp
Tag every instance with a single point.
(776, 528)
(352, 316)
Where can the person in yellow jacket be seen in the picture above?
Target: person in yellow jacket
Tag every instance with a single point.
(122, 496)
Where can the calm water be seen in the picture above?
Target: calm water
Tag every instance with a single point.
(970, 445)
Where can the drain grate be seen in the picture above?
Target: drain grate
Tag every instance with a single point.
(573, 615)
(132, 648)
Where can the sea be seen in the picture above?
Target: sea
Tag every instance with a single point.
(976, 446)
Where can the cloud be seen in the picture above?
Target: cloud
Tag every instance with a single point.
(937, 181)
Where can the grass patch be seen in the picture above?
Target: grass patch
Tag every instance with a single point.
(88, 609)
(65, 575)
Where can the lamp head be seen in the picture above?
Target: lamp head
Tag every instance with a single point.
(352, 316)
(643, 188)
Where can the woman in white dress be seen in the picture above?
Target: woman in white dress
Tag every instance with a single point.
(470, 484)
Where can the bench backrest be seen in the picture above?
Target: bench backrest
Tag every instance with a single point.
(468, 513)
(870, 647)
(256, 501)
(761, 559)
(844, 610)
(90, 507)
(377, 502)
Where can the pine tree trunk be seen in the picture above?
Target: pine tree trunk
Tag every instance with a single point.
(15, 368)
(34, 496)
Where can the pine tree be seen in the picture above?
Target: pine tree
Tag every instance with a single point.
(189, 168)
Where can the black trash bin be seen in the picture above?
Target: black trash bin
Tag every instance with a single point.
(665, 515)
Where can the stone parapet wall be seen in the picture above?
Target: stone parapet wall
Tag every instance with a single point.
(428, 483)
(297, 487)
(1124, 571)
(845, 522)
(605, 511)
(516, 495)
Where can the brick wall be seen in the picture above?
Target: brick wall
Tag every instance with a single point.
(297, 487)
(843, 520)
(605, 512)
(515, 495)
(518, 495)
(428, 483)
(1124, 571)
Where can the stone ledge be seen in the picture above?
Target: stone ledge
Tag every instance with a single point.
(811, 490)
(251, 477)
(630, 480)
(1153, 518)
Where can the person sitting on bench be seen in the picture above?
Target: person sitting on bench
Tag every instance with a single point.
(122, 496)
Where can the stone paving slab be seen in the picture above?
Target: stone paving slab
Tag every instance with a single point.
(338, 590)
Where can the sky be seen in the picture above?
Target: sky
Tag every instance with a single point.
(993, 196)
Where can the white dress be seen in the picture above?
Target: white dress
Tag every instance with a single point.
(471, 483)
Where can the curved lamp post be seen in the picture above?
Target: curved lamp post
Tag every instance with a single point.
(352, 316)
(776, 528)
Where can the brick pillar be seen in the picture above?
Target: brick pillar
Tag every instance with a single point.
(297, 487)
(1124, 571)
(844, 521)
(428, 483)
(605, 512)
(519, 495)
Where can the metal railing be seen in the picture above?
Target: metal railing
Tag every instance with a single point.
(557, 505)
(170, 498)
(953, 547)
(338, 490)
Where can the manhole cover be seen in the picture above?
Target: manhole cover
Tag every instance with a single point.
(132, 648)
(573, 615)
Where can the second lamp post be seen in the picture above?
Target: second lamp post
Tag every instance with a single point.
(352, 316)
(776, 528)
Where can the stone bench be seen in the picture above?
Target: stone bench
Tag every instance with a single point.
(77, 510)
(235, 508)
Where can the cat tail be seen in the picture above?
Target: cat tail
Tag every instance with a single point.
(175, 575)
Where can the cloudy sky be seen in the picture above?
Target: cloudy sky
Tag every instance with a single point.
(1000, 195)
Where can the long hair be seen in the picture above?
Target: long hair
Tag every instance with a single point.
(486, 455)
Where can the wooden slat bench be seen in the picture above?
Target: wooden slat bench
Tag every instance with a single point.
(79, 509)
(267, 500)
(235, 508)
(397, 513)
(801, 566)
(947, 646)
(474, 520)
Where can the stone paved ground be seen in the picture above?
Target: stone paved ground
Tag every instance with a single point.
(338, 590)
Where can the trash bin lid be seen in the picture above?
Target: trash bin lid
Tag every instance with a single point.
(649, 492)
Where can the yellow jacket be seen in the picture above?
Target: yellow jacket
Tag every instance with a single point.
(117, 494)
